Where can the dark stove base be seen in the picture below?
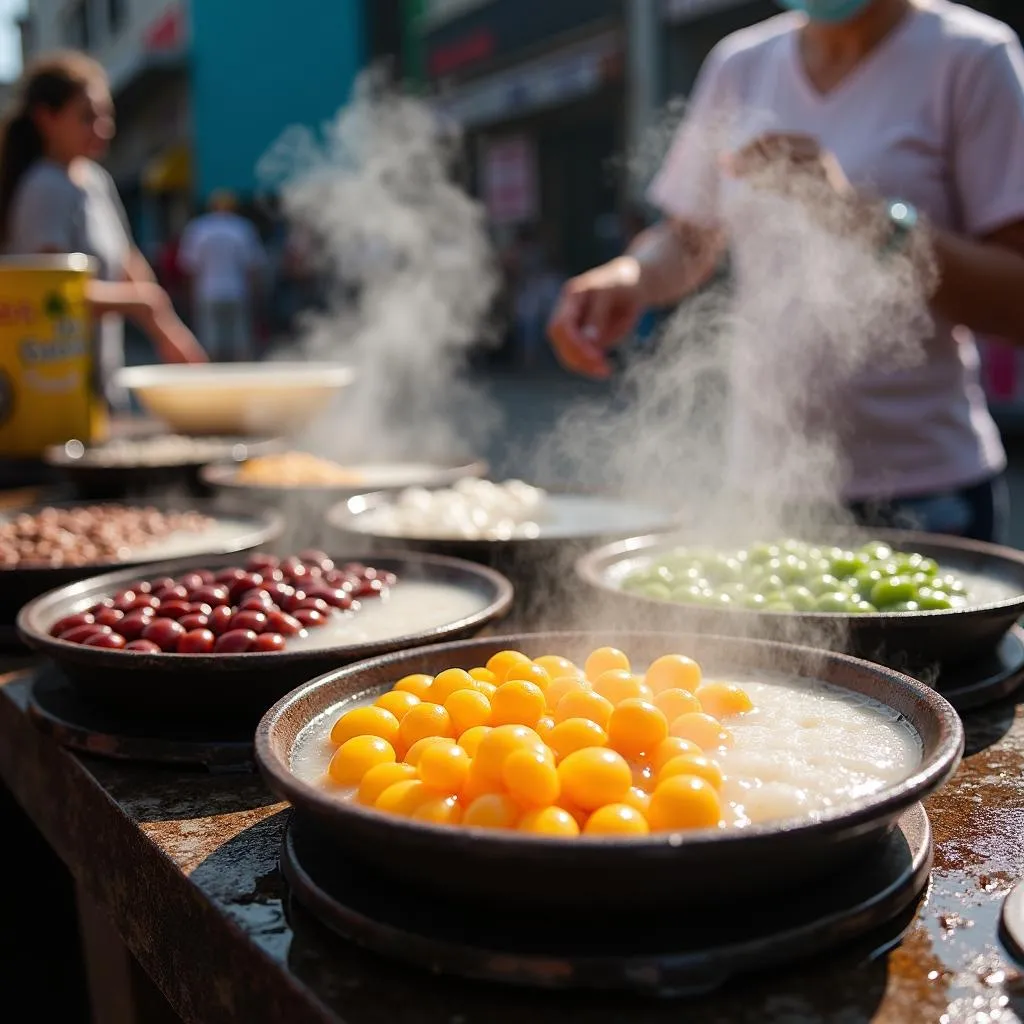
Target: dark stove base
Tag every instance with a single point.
(654, 956)
(987, 680)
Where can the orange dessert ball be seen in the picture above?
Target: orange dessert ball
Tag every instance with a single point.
(617, 685)
(417, 684)
(470, 739)
(439, 810)
(671, 747)
(636, 727)
(705, 731)
(380, 777)
(445, 767)
(584, 704)
(594, 776)
(498, 744)
(530, 674)
(556, 666)
(492, 810)
(616, 820)
(466, 709)
(517, 702)
(676, 702)
(638, 799)
(531, 778)
(404, 797)
(371, 721)
(355, 757)
(544, 726)
(416, 751)
(398, 702)
(575, 734)
(605, 659)
(723, 700)
(484, 675)
(426, 719)
(692, 764)
(549, 821)
(504, 661)
(447, 682)
(684, 802)
(673, 672)
(561, 686)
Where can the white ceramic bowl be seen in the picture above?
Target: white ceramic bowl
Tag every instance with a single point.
(239, 399)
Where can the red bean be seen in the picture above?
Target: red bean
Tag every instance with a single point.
(175, 592)
(194, 621)
(124, 599)
(260, 561)
(144, 601)
(199, 608)
(195, 579)
(141, 587)
(246, 582)
(267, 642)
(310, 617)
(131, 627)
(165, 633)
(279, 591)
(281, 622)
(320, 559)
(228, 576)
(370, 588)
(294, 570)
(70, 622)
(220, 620)
(212, 595)
(80, 634)
(237, 641)
(164, 583)
(112, 641)
(256, 621)
(316, 604)
(336, 597)
(197, 641)
(369, 573)
(107, 602)
(389, 578)
(255, 604)
(206, 576)
(142, 646)
(109, 616)
(175, 609)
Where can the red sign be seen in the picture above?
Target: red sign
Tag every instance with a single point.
(510, 180)
(470, 49)
(167, 32)
(14, 313)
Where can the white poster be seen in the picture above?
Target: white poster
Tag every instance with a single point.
(509, 185)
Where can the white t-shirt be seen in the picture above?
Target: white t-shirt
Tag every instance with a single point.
(934, 116)
(221, 250)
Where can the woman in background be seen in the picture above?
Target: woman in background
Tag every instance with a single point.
(55, 198)
(907, 117)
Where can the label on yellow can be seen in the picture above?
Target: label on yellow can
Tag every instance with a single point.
(48, 391)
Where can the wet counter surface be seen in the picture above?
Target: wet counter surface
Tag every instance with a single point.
(186, 865)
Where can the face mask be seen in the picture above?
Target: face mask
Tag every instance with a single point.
(831, 11)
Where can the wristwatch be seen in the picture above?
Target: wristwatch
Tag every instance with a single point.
(902, 218)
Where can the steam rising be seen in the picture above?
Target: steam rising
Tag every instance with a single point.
(411, 270)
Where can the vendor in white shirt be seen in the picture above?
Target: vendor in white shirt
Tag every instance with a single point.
(224, 258)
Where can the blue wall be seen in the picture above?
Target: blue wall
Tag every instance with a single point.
(260, 66)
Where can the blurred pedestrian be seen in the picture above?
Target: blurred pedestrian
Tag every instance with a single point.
(55, 198)
(537, 286)
(223, 256)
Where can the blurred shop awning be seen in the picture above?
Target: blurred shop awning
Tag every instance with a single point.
(169, 171)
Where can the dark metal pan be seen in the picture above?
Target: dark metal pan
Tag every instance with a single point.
(236, 687)
(906, 640)
(678, 870)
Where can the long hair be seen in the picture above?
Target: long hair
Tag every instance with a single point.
(51, 81)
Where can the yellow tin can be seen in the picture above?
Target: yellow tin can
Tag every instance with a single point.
(48, 378)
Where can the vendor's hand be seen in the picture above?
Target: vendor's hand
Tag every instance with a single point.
(594, 313)
(787, 161)
(175, 343)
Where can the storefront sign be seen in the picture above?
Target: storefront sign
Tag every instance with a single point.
(561, 77)
(687, 10)
(509, 27)
(509, 180)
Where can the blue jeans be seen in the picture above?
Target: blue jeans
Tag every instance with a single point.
(981, 512)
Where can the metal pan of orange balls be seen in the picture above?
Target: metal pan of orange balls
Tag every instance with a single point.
(626, 769)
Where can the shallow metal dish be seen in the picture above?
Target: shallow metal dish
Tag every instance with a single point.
(676, 870)
(204, 687)
(908, 640)
(19, 585)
